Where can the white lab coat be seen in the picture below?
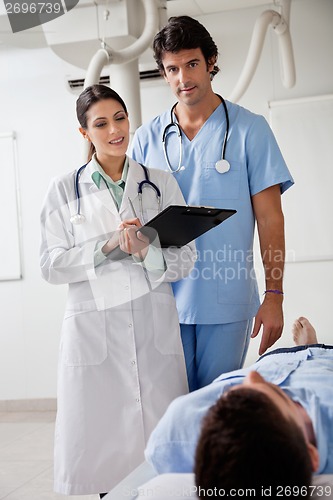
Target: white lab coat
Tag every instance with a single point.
(121, 359)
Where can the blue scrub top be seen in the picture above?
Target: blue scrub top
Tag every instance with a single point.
(222, 287)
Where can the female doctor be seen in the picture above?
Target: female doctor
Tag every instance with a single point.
(121, 359)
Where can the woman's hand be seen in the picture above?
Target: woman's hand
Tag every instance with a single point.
(112, 243)
(131, 240)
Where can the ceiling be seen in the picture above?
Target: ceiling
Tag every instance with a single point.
(34, 38)
(200, 7)
(75, 36)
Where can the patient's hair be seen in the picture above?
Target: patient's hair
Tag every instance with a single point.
(184, 32)
(247, 443)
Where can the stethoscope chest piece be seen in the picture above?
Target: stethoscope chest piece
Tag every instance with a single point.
(77, 219)
(222, 166)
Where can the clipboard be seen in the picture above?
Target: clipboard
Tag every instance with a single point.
(177, 225)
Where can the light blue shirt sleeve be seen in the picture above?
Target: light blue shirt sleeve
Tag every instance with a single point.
(265, 164)
(171, 446)
(154, 260)
(99, 256)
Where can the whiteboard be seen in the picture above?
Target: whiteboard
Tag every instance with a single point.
(10, 254)
(304, 131)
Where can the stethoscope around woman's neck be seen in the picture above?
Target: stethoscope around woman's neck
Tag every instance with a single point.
(221, 165)
(78, 218)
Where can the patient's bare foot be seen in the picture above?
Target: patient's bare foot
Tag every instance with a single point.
(303, 332)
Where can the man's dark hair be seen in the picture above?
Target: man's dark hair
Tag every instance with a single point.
(184, 32)
(247, 443)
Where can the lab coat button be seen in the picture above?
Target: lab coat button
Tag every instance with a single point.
(133, 362)
(130, 325)
(137, 400)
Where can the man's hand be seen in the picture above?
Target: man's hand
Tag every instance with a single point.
(270, 316)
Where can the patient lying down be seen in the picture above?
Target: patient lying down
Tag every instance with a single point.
(266, 428)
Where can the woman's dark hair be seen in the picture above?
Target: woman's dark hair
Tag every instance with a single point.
(247, 443)
(90, 96)
(184, 32)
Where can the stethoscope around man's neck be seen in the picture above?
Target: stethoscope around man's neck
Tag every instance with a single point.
(221, 165)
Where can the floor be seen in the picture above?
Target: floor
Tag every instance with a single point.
(26, 460)
(26, 457)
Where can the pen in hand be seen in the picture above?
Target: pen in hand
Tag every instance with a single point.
(132, 207)
(133, 210)
(140, 253)
(138, 230)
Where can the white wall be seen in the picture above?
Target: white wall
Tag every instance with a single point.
(36, 104)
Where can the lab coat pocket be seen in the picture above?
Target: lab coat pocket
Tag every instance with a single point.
(166, 324)
(83, 341)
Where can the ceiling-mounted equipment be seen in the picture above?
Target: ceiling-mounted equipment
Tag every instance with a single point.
(280, 25)
(107, 55)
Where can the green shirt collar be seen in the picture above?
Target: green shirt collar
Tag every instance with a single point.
(99, 174)
(116, 188)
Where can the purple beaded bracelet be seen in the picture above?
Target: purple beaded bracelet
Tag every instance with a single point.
(278, 292)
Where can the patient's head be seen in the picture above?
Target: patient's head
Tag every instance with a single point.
(251, 438)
